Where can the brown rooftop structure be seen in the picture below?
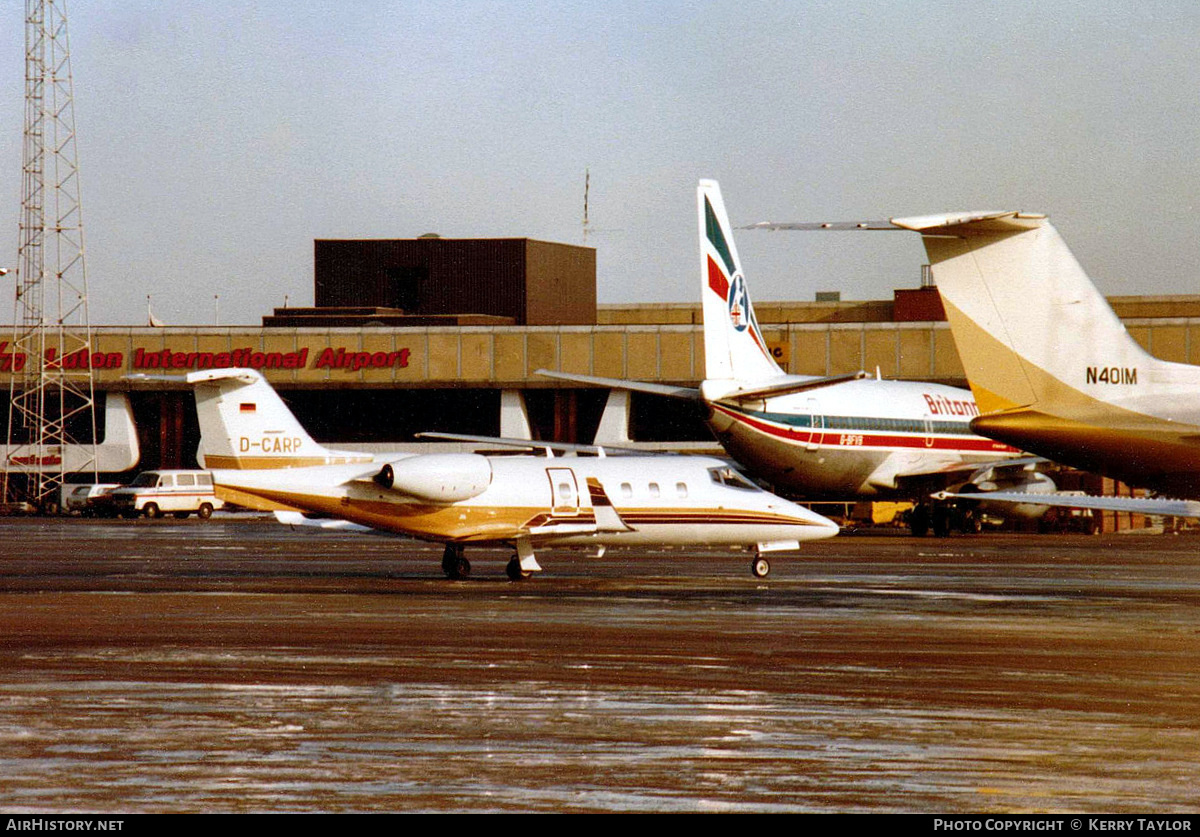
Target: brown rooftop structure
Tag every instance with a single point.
(529, 282)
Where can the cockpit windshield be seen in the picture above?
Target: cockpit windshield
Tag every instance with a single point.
(730, 477)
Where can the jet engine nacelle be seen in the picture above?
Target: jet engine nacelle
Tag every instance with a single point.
(438, 477)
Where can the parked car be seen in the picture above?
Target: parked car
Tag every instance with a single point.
(155, 493)
(82, 498)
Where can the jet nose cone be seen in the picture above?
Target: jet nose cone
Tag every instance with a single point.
(817, 525)
(827, 526)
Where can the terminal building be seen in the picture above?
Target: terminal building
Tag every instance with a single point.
(435, 334)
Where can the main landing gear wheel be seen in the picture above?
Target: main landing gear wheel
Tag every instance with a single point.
(514, 571)
(454, 564)
(760, 566)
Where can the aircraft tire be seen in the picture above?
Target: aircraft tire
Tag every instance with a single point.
(918, 521)
(760, 567)
(454, 564)
(514, 572)
(941, 522)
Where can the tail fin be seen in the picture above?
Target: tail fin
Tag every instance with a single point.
(1031, 328)
(244, 425)
(734, 348)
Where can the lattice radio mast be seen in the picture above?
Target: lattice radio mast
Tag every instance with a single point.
(52, 417)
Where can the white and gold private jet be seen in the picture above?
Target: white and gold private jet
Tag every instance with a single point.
(261, 457)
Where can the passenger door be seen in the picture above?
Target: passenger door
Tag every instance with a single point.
(564, 491)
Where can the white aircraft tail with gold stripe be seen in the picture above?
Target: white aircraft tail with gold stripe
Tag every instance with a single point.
(1053, 369)
(244, 425)
(1031, 328)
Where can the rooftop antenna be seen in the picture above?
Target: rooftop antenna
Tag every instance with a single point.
(587, 182)
(52, 417)
(587, 228)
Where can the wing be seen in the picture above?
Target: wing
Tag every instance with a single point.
(531, 444)
(1134, 505)
(975, 471)
(786, 387)
(665, 390)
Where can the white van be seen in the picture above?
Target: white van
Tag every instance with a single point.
(155, 493)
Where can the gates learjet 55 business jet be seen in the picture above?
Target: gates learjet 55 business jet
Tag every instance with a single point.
(822, 438)
(262, 457)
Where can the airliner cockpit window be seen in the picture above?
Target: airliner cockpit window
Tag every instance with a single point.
(730, 477)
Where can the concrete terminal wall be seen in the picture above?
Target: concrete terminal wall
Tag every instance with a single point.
(509, 356)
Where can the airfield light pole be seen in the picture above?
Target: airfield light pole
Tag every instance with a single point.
(52, 416)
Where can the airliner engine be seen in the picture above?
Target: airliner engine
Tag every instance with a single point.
(438, 477)
(1032, 483)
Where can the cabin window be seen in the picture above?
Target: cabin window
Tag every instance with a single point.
(681, 489)
(653, 489)
(626, 490)
(564, 492)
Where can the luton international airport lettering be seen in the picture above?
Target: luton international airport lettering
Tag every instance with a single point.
(333, 357)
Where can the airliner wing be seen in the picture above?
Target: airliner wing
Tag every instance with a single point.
(561, 447)
(790, 387)
(666, 390)
(1134, 505)
(974, 471)
(757, 393)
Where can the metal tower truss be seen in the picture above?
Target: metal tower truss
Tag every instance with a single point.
(52, 420)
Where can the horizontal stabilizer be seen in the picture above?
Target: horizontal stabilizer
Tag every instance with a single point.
(952, 223)
(822, 225)
(1132, 505)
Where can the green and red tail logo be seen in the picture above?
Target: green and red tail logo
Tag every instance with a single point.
(727, 282)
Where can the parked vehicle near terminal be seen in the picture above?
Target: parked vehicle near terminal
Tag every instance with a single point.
(81, 499)
(155, 493)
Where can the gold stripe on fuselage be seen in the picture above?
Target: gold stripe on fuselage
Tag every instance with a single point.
(479, 523)
(266, 463)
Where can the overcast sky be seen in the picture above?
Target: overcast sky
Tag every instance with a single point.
(218, 139)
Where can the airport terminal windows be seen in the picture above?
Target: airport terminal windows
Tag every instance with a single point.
(388, 415)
